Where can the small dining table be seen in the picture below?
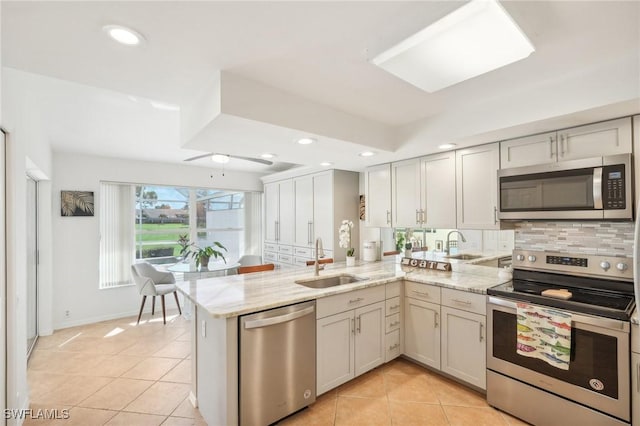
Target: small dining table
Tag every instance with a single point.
(214, 269)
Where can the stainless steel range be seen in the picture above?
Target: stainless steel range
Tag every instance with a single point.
(585, 377)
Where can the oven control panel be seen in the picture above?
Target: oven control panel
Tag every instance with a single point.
(592, 265)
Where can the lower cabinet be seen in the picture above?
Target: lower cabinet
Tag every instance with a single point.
(349, 344)
(635, 385)
(463, 341)
(422, 332)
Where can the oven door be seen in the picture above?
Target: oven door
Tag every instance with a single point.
(598, 374)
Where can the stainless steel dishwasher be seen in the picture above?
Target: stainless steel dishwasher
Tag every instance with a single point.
(277, 363)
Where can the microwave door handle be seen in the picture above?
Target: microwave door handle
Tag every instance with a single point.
(597, 188)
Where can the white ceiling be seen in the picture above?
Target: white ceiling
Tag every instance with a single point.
(587, 57)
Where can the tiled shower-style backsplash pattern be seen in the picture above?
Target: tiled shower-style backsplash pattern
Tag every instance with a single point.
(601, 238)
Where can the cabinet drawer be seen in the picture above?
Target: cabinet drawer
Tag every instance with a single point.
(285, 258)
(285, 249)
(392, 345)
(392, 323)
(429, 293)
(272, 257)
(343, 302)
(302, 252)
(270, 247)
(392, 306)
(393, 289)
(300, 261)
(465, 300)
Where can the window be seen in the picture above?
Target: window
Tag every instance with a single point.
(144, 222)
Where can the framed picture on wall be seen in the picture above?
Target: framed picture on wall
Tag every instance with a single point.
(76, 203)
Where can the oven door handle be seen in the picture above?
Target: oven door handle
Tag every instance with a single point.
(597, 188)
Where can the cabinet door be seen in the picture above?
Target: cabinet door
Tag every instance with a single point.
(464, 346)
(303, 194)
(527, 151)
(323, 226)
(595, 140)
(422, 331)
(406, 194)
(378, 196)
(439, 183)
(336, 349)
(477, 187)
(271, 204)
(286, 212)
(635, 388)
(370, 346)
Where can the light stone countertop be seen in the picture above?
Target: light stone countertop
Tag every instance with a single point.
(234, 295)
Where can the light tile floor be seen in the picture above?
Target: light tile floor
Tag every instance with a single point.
(117, 373)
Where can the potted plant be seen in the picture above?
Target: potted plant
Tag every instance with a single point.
(201, 255)
(185, 244)
(345, 241)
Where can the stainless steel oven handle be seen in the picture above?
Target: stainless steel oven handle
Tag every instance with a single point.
(597, 188)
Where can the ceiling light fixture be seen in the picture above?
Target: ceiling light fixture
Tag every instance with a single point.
(447, 145)
(476, 38)
(220, 158)
(306, 141)
(366, 154)
(268, 155)
(326, 164)
(124, 35)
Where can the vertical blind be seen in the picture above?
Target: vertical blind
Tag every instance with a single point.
(117, 244)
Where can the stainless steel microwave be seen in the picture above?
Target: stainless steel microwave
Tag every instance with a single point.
(592, 188)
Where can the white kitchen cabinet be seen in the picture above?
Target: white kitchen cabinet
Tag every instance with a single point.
(439, 189)
(477, 188)
(463, 341)
(378, 196)
(326, 215)
(635, 387)
(303, 211)
(279, 212)
(336, 350)
(593, 140)
(369, 337)
(407, 200)
(422, 331)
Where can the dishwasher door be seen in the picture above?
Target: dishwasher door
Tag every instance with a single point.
(277, 363)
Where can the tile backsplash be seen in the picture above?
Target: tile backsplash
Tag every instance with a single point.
(601, 238)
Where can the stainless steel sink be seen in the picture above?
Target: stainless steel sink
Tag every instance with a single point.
(464, 256)
(324, 282)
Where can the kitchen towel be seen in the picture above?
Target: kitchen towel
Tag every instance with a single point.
(544, 333)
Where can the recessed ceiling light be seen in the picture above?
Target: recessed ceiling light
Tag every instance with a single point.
(124, 35)
(220, 158)
(268, 155)
(306, 141)
(447, 145)
(474, 39)
(326, 164)
(366, 154)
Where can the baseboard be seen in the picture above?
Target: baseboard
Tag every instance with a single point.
(193, 399)
(92, 320)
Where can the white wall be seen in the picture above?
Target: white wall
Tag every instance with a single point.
(76, 240)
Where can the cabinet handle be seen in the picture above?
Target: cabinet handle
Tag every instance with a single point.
(353, 326)
(551, 146)
(388, 216)
(393, 324)
(394, 346)
(309, 238)
(394, 307)
(277, 229)
(464, 302)
(359, 324)
(424, 216)
(435, 320)
(481, 336)
(495, 215)
(421, 293)
(562, 140)
(417, 217)
(359, 299)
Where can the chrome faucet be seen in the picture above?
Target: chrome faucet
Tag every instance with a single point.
(448, 248)
(319, 254)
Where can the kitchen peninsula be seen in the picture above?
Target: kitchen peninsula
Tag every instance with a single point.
(220, 301)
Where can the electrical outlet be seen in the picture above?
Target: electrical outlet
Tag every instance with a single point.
(67, 314)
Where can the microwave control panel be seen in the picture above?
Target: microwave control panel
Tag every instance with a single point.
(613, 187)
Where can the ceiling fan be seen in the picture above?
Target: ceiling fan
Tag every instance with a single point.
(224, 158)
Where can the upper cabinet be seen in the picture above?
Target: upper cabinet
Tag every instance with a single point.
(423, 192)
(593, 140)
(378, 196)
(279, 212)
(477, 193)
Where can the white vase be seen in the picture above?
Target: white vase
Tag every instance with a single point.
(351, 261)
